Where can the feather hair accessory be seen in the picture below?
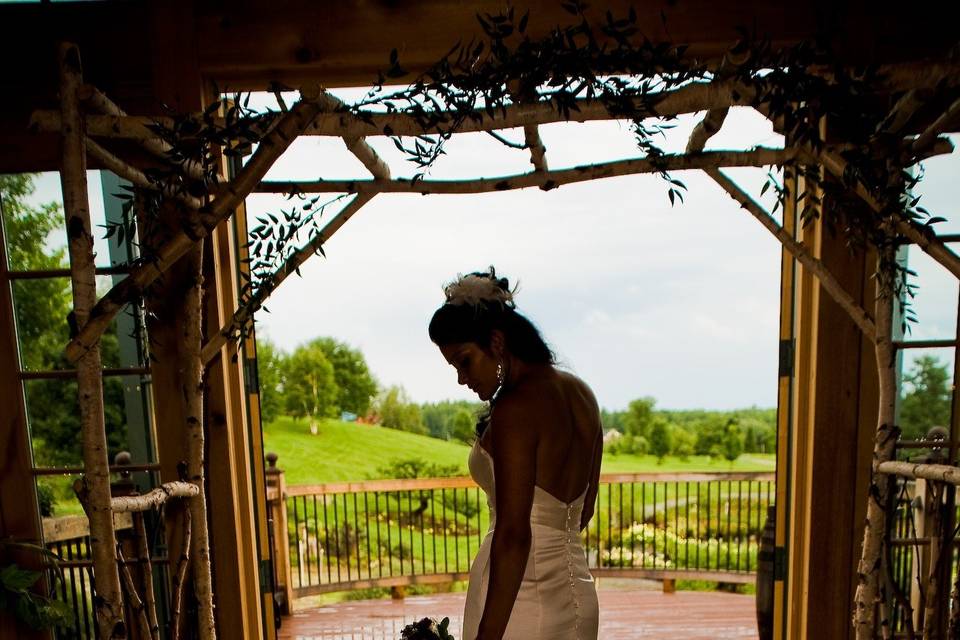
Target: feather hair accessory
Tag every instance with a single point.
(481, 287)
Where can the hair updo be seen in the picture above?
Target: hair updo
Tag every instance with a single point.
(479, 303)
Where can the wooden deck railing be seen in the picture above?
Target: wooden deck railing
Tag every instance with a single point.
(391, 533)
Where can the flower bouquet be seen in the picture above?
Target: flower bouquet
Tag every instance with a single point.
(427, 629)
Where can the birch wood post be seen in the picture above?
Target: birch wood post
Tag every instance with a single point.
(183, 563)
(868, 592)
(934, 516)
(953, 633)
(191, 369)
(133, 598)
(93, 488)
(146, 572)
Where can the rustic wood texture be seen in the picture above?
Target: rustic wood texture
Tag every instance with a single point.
(93, 487)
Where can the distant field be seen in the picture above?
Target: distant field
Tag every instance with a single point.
(347, 451)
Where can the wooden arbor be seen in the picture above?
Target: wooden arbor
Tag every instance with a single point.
(909, 89)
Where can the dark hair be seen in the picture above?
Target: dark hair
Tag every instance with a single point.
(475, 322)
(454, 323)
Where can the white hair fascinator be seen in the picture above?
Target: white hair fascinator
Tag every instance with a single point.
(481, 287)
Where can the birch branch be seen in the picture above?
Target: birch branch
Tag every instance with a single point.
(149, 597)
(191, 368)
(357, 145)
(936, 472)
(133, 598)
(183, 563)
(289, 126)
(868, 593)
(153, 498)
(940, 125)
(93, 488)
(538, 152)
(549, 180)
(95, 99)
(903, 111)
(137, 177)
(923, 236)
(706, 129)
(270, 284)
(699, 96)
(827, 280)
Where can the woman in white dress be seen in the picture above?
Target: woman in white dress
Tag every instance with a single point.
(537, 458)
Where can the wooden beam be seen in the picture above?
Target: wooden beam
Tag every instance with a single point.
(827, 280)
(757, 157)
(292, 265)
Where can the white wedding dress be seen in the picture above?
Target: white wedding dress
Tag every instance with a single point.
(557, 598)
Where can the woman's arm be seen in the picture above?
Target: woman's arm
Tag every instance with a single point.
(515, 468)
(591, 500)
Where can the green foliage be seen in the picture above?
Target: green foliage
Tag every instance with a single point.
(42, 306)
(661, 438)
(684, 443)
(395, 411)
(46, 499)
(270, 378)
(405, 468)
(309, 387)
(18, 597)
(451, 419)
(926, 402)
(639, 417)
(355, 384)
(731, 446)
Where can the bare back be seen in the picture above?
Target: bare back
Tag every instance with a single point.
(569, 433)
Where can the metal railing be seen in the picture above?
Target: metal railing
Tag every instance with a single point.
(389, 533)
(69, 538)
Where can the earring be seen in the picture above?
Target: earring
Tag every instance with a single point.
(499, 374)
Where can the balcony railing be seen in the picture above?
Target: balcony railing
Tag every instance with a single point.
(391, 533)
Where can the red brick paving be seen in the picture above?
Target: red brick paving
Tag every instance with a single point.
(625, 613)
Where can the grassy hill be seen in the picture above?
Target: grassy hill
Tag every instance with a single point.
(347, 451)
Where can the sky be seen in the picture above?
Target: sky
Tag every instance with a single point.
(635, 296)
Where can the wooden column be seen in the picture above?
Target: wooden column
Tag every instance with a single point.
(232, 491)
(19, 513)
(834, 419)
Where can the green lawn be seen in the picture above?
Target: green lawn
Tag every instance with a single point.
(347, 451)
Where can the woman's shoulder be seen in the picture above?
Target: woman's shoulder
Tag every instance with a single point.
(577, 387)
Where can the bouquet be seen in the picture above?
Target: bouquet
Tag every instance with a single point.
(427, 629)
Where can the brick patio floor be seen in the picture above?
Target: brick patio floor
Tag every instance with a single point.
(625, 613)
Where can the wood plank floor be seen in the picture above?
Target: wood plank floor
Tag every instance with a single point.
(625, 613)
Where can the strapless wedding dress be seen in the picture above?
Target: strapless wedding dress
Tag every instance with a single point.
(557, 598)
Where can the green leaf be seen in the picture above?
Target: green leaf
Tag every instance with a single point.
(14, 578)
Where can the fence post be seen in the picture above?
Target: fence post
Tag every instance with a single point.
(277, 507)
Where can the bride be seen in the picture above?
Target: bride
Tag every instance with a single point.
(537, 458)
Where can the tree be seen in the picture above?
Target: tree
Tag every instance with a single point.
(355, 384)
(270, 363)
(464, 425)
(684, 443)
(926, 402)
(310, 390)
(639, 418)
(42, 306)
(397, 412)
(731, 446)
(661, 438)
